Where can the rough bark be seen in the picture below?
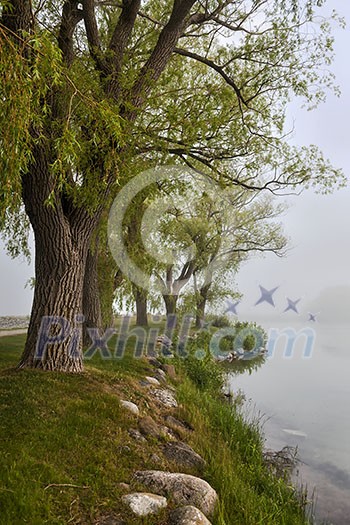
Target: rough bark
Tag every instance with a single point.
(201, 304)
(170, 303)
(91, 296)
(62, 238)
(140, 296)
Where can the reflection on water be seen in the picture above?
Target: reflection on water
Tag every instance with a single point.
(306, 403)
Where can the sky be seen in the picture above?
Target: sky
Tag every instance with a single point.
(316, 269)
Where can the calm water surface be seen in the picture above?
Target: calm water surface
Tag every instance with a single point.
(306, 403)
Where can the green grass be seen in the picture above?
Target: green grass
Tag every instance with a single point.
(66, 429)
(249, 494)
(70, 429)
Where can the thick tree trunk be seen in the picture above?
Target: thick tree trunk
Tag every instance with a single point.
(141, 306)
(91, 296)
(170, 303)
(201, 304)
(62, 237)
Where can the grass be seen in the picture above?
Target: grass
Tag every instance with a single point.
(65, 446)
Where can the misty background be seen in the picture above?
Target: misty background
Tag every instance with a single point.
(316, 268)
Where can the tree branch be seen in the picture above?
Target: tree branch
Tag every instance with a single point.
(120, 39)
(71, 16)
(93, 36)
(216, 68)
(160, 55)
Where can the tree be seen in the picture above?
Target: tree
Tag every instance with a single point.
(209, 234)
(82, 92)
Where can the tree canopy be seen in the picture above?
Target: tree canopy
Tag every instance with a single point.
(92, 90)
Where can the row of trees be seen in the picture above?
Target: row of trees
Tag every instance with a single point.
(94, 92)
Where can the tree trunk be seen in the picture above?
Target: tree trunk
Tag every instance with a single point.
(91, 296)
(170, 303)
(62, 237)
(201, 304)
(141, 306)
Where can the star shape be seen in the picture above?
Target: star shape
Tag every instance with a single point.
(232, 307)
(266, 296)
(312, 317)
(292, 305)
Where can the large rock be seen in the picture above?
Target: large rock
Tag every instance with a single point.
(170, 371)
(152, 381)
(177, 424)
(149, 427)
(134, 409)
(188, 515)
(182, 488)
(183, 455)
(164, 396)
(143, 503)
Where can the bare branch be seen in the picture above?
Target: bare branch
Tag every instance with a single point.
(216, 68)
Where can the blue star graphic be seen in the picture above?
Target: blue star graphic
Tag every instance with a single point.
(292, 305)
(266, 296)
(312, 317)
(232, 307)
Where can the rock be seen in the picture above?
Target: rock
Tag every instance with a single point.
(182, 488)
(134, 409)
(164, 340)
(177, 424)
(183, 455)
(123, 486)
(143, 503)
(165, 397)
(160, 375)
(170, 371)
(149, 427)
(152, 381)
(161, 372)
(154, 362)
(136, 434)
(188, 515)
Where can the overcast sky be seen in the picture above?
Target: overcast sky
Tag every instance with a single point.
(317, 268)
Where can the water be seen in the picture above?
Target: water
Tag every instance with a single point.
(305, 402)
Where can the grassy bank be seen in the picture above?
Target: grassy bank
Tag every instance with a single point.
(65, 446)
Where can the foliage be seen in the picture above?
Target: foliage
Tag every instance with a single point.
(200, 366)
(219, 321)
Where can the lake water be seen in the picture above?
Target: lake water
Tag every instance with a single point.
(305, 402)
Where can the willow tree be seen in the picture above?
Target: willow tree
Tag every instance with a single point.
(83, 91)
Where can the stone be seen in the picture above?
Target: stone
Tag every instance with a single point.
(188, 515)
(160, 375)
(165, 397)
(149, 427)
(154, 362)
(134, 409)
(152, 381)
(183, 455)
(170, 371)
(143, 503)
(123, 486)
(182, 488)
(178, 424)
(136, 434)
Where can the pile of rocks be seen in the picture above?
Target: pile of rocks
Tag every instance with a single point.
(150, 491)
